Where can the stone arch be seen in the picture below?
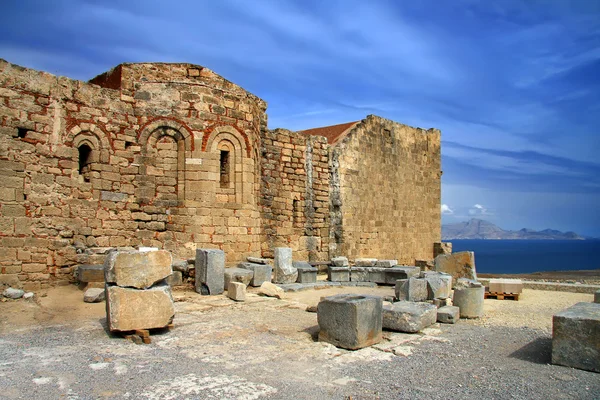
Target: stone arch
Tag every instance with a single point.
(165, 124)
(92, 148)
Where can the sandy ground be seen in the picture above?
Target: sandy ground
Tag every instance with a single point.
(58, 347)
(591, 277)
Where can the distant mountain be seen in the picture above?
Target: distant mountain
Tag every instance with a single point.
(480, 229)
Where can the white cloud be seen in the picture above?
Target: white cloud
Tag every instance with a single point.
(478, 209)
(446, 209)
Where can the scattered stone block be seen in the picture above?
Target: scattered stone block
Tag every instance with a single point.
(257, 260)
(338, 274)
(513, 286)
(459, 265)
(365, 262)
(175, 279)
(261, 272)
(439, 285)
(90, 273)
(12, 293)
(284, 271)
(408, 316)
(94, 295)
(350, 321)
(386, 263)
(28, 296)
(441, 302)
(236, 291)
(448, 314)
(340, 262)
(412, 289)
(469, 300)
(306, 272)
(270, 290)
(442, 248)
(128, 309)
(597, 297)
(210, 271)
(576, 337)
(359, 274)
(137, 269)
(180, 265)
(237, 275)
(466, 283)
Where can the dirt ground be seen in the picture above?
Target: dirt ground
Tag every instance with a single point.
(57, 347)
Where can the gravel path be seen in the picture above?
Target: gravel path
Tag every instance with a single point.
(265, 348)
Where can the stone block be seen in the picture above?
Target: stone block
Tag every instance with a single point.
(236, 291)
(90, 273)
(338, 274)
(180, 265)
(350, 321)
(576, 337)
(459, 265)
(137, 269)
(442, 248)
(386, 263)
(439, 285)
(359, 274)
(210, 271)
(175, 279)
(469, 300)
(389, 276)
(261, 272)
(442, 302)
(448, 314)
(129, 309)
(306, 272)
(12, 293)
(506, 286)
(284, 270)
(411, 289)
(597, 297)
(365, 262)
(240, 275)
(271, 290)
(340, 262)
(94, 295)
(257, 260)
(408, 316)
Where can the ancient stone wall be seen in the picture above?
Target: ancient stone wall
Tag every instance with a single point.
(295, 194)
(386, 192)
(162, 155)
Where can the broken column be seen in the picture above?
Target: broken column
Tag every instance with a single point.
(468, 298)
(284, 270)
(350, 321)
(210, 271)
(137, 296)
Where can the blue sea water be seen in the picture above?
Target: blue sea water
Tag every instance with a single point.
(526, 256)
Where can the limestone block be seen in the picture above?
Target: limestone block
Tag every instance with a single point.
(257, 260)
(470, 301)
(506, 286)
(386, 263)
(271, 290)
(442, 248)
(236, 291)
(261, 272)
(180, 265)
(175, 279)
(448, 314)
(340, 262)
(576, 337)
(439, 285)
(338, 274)
(411, 289)
(284, 270)
(12, 293)
(94, 295)
(210, 271)
(90, 273)
(365, 262)
(597, 297)
(306, 272)
(459, 265)
(137, 269)
(350, 321)
(408, 316)
(439, 303)
(130, 309)
(359, 274)
(237, 275)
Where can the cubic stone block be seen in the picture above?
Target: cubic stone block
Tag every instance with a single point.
(506, 286)
(261, 272)
(90, 273)
(236, 291)
(284, 271)
(210, 271)
(389, 276)
(237, 275)
(306, 272)
(350, 321)
(576, 337)
(470, 301)
(386, 263)
(441, 302)
(412, 289)
(129, 309)
(359, 274)
(338, 274)
(340, 262)
(175, 279)
(448, 314)
(137, 269)
(459, 265)
(408, 316)
(439, 285)
(365, 262)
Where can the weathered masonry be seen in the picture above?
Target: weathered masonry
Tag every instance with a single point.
(175, 156)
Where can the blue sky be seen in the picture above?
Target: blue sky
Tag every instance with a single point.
(513, 85)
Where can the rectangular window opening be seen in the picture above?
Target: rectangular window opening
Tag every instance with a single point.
(224, 168)
(21, 133)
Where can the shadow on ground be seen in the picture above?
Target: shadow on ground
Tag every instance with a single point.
(539, 351)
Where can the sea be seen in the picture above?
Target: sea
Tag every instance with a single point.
(526, 256)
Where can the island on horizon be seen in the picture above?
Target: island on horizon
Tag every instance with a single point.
(481, 229)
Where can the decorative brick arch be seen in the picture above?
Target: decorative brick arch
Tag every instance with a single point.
(90, 133)
(214, 133)
(166, 126)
